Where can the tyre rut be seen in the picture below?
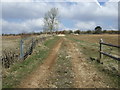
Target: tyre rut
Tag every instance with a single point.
(37, 78)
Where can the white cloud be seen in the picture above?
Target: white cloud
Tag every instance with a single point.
(85, 25)
(75, 11)
(58, 0)
(27, 16)
(35, 22)
(26, 26)
(113, 0)
(16, 0)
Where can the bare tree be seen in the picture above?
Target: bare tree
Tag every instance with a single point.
(51, 20)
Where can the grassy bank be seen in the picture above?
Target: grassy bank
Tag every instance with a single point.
(13, 76)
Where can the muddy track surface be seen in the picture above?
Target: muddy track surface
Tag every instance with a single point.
(37, 78)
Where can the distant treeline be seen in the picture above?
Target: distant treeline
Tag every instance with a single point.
(97, 32)
(22, 34)
(68, 32)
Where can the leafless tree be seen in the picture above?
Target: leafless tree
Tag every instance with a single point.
(51, 20)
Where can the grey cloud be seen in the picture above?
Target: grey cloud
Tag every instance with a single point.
(80, 13)
(23, 10)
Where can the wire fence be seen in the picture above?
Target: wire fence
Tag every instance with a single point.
(26, 48)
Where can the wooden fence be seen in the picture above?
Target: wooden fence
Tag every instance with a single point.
(107, 54)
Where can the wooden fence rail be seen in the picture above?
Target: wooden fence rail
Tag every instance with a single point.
(104, 53)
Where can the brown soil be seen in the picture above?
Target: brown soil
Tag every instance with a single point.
(11, 37)
(85, 76)
(113, 39)
(38, 77)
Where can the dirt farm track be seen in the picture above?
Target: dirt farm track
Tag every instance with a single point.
(67, 64)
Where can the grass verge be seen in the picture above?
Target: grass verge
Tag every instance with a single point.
(109, 68)
(62, 71)
(13, 76)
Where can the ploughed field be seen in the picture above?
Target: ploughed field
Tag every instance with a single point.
(108, 38)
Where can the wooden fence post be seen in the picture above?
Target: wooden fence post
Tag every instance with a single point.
(21, 49)
(101, 56)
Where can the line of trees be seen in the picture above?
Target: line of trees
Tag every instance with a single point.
(69, 32)
(89, 32)
(38, 33)
(94, 32)
(97, 30)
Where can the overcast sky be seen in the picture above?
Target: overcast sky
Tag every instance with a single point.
(28, 16)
